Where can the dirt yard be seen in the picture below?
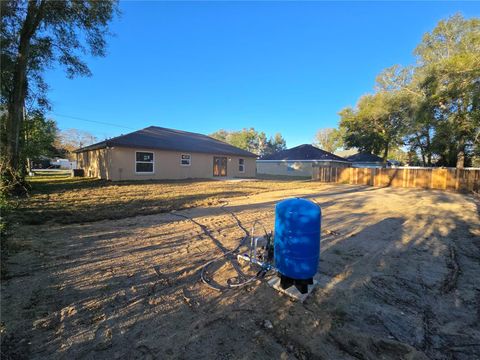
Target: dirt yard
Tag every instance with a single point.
(400, 272)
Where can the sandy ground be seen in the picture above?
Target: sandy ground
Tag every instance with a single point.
(400, 272)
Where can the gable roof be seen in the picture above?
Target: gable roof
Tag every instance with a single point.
(365, 157)
(302, 153)
(154, 137)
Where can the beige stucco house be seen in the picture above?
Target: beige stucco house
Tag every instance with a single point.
(298, 161)
(161, 153)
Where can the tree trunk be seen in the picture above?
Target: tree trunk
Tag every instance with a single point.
(385, 153)
(422, 151)
(12, 171)
(429, 150)
(461, 154)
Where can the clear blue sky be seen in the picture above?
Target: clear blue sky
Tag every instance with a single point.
(284, 67)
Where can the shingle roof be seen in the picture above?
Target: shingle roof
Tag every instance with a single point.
(155, 137)
(365, 157)
(303, 152)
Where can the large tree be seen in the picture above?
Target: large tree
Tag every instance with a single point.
(329, 139)
(378, 123)
(39, 135)
(274, 144)
(432, 107)
(35, 35)
(449, 70)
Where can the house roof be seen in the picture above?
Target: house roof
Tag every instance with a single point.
(302, 153)
(154, 137)
(346, 153)
(365, 157)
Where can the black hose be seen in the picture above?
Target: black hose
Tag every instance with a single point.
(203, 277)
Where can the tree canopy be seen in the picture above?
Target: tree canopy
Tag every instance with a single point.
(72, 139)
(39, 136)
(433, 107)
(252, 140)
(329, 139)
(36, 35)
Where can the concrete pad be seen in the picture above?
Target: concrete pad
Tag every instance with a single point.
(292, 291)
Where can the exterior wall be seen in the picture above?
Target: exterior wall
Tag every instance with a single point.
(293, 168)
(95, 163)
(368, 165)
(119, 164)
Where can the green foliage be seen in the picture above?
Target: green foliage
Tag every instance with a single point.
(275, 144)
(61, 32)
(329, 139)
(433, 107)
(252, 140)
(221, 135)
(245, 139)
(39, 136)
(449, 73)
(378, 122)
(398, 155)
(36, 35)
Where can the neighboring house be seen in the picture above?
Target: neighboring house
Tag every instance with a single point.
(298, 161)
(161, 153)
(366, 160)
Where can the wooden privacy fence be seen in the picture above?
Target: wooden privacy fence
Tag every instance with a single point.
(465, 180)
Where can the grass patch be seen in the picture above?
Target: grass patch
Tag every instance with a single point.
(60, 198)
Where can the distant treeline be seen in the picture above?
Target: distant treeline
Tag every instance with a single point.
(252, 140)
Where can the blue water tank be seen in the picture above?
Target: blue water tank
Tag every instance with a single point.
(297, 238)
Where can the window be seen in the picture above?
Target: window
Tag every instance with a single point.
(144, 162)
(241, 165)
(185, 160)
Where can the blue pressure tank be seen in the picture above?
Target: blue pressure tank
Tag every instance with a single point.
(297, 238)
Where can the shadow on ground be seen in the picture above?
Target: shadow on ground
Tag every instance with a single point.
(399, 279)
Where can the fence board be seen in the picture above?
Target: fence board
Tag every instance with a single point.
(464, 180)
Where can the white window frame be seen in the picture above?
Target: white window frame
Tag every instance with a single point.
(242, 165)
(145, 162)
(189, 159)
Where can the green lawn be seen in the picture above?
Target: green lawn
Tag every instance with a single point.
(60, 198)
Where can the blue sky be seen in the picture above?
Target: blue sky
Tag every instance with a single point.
(285, 67)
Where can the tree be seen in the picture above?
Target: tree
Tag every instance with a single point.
(39, 136)
(36, 34)
(73, 139)
(449, 65)
(246, 139)
(251, 140)
(329, 139)
(378, 122)
(432, 107)
(221, 135)
(399, 155)
(275, 144)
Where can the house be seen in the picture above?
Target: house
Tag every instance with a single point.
(161, 153)
(366, 160)
(298, 161)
